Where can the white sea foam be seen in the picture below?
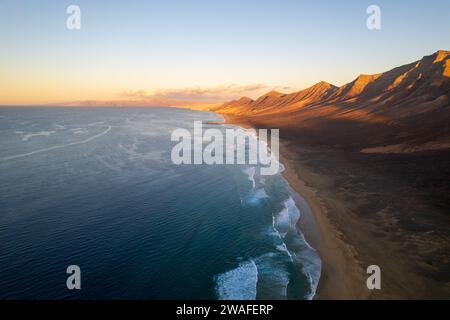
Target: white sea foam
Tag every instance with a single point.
(312, 266)
(239, 283)
(250, 172)
(293, 211)
(301, 252)
(286, 221)
(27, 136)
(306, 255)
(255, 198)
(283, 248)
(94, 124)
(273, 278)
(56, 147)
(282, 222)
(287, 218)
(279, 243)
(260, 194)
(79, 131)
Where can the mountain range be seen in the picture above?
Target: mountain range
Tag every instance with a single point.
(406, 109)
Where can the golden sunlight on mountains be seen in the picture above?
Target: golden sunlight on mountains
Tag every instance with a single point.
(406, 106)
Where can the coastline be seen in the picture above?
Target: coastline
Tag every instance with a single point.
(364, 217)
(340, 267)
(341, 272)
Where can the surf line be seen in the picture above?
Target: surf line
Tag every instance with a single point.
(56, 147)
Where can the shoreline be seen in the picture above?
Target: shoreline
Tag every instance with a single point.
(306, 223)
(339, 267)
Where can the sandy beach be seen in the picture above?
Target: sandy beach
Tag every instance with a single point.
(341, 193)
(338, 260)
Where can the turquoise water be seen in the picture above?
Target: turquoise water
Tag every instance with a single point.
(96, 188)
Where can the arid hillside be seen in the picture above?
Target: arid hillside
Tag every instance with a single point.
(405, 109)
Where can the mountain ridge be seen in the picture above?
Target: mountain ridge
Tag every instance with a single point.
(414, 96)
(366, 84)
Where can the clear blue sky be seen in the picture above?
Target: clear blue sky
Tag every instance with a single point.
(162, 45)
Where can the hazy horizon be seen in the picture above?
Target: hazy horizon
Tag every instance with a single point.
(202, 51)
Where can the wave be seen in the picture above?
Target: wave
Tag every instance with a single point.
(255, 198)
(55, 147)
(95, 124)
(291, 248)
(263, 277)
(79, 131)
(287, 218)
(250, 172)
(239, 283)
(312, 265)
(273, 277)
(27, 136)
(285, 223)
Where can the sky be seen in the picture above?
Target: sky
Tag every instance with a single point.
(204, 50)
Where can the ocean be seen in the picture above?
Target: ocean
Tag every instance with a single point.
(96, 188)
